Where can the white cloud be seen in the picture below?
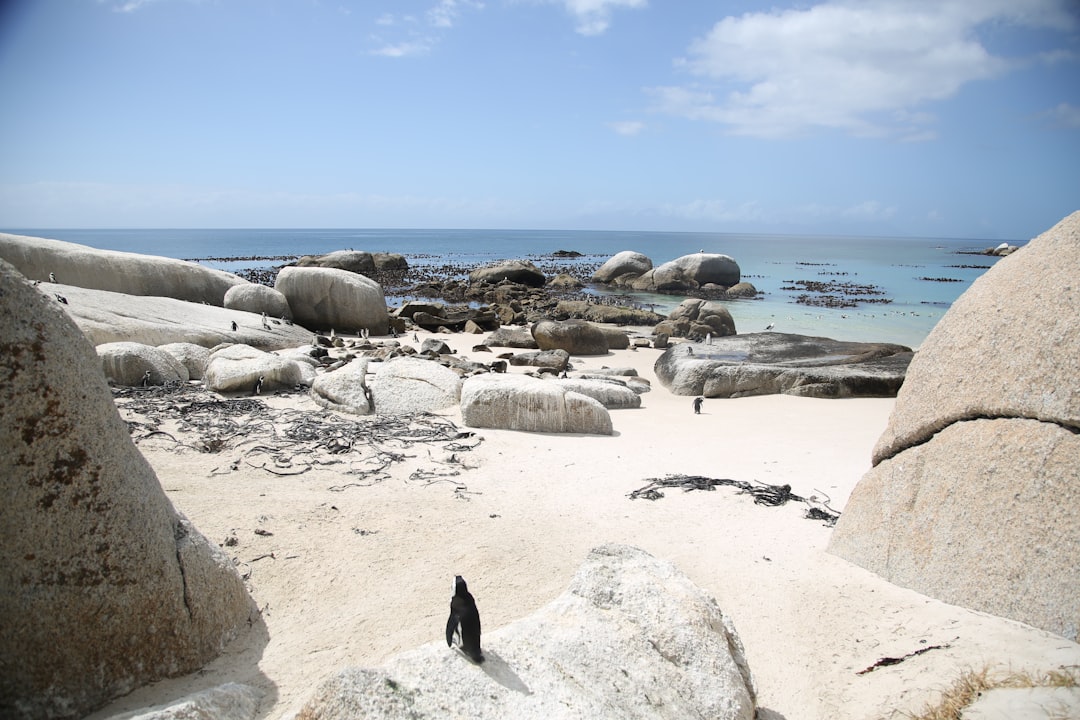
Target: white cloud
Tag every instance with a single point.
(629, 128)
(860, 66)
(593, 17)
(1064, 115)
(406, 48)
(445, 13)
(425, 32)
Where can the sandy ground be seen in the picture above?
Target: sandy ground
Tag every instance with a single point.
(361, 573)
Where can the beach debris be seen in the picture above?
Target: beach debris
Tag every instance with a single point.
(887, 661)
(286, 441)
(763, 493)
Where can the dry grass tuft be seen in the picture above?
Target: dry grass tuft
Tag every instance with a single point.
(967, 688)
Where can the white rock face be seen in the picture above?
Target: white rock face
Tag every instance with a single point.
(231, 701)
(327, 298)
(631, 637)
(126, 363)
(344, 389)
(407, 385)
(519, 402)
(105, 586)
(611, 393)
(122, 272)
(627, 262)
(236, 368)
(258, 299)
(193, 357)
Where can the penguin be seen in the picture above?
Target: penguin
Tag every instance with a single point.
(464, 621)
(235, 327)
(697, 404)
(415, 338)
(257, 390)
(146, 379)
(52, 278)
(266, 325)
(689, 350)
(61, 298)
(770, 326)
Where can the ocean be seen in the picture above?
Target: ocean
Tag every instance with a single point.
(904, 285)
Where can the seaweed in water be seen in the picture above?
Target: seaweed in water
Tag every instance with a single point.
(763, 494)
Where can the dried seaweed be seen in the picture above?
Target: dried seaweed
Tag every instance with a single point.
(763, 493)
(284, 442)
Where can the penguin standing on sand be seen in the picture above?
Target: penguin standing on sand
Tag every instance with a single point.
(52, 277)
(146, 379)
(464, 621)
(257, 390)
(234, 326)
(697, 404)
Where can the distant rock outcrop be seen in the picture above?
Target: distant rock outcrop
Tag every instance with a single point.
(614, 314)
(622, 265)
(258, 299)
(106, 586)
(972, 498)
(768, 363)
(691, 272)
(519, 402)
(698, 319)
(329, 299)
(632, 637)
(515, 271)
(122, 272)
(356, 261)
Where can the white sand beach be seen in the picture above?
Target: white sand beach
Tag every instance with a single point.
(350, 576)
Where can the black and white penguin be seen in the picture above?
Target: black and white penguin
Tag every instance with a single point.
(235, 327)
(464, 621)
(52, 278)
(697, 404)
(257, 390)
(146, 379)
(61, 298)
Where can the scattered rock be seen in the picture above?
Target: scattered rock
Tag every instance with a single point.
(116, 589)
(519, 402)
(632, 637)
(767, 363)
(127, 363)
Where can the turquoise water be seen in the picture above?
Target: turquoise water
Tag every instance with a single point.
(894, 266)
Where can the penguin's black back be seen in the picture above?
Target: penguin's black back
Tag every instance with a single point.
(464, 620)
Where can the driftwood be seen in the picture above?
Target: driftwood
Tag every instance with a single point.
(763, 494)
(284, 442)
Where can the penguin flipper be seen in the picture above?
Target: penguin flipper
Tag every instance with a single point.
(451, 628)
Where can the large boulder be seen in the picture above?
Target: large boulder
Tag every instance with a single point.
(698, 319)
(122, 272)
(236, 368)
(768, 363)
(632, 637)
(258, 299)
(516, 271)
(105, 316)
(577, 337)
(511, 337)
(556, 360)
(344, 389)
(621, 264)
(326, 299)
(105, 586)
(520, 402)
(614, 314)
(690, 272)
(357, 261)
(406, 385)
(609, 392)
(131, 364)
(193, 357)
(974, 487)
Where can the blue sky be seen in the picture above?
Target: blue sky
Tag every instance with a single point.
(941, 118)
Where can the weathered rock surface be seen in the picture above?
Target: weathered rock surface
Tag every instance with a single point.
(612, 394)
(193, 357)
(344, 389)
(516, 271)
(577, 337)
(106, 586)
(613, 314)
(122, 272)
(698, 319)
(690, 272)
(624, 263)
(105, 316)
(236, 368)
(126, 363)
(511, 337)
(258, 299)
(632, 637)
(406, 385)
(231, 701)
(975, 481)
(557, 360)
(768, 363)
(327, 298)
(1034, 703)
(356, 261)
(519, 402)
